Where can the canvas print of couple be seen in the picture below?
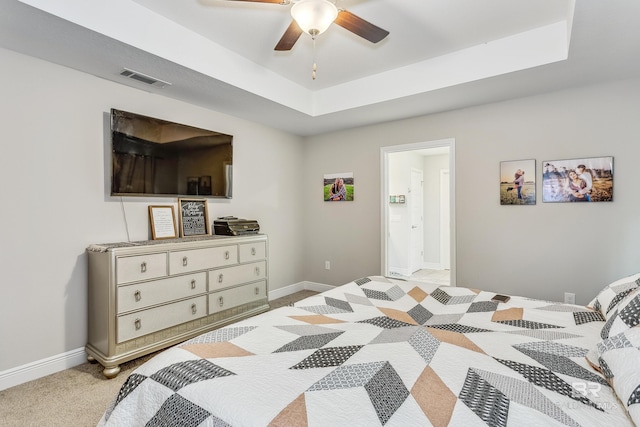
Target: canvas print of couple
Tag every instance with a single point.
(574, 180)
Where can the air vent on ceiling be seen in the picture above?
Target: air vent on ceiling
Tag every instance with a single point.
(144, 78)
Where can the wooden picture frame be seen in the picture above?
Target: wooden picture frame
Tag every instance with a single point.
(163, 222)
(194, 217)
(204, 185)
(192, 185)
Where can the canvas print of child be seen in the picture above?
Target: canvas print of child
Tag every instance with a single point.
(338, 187)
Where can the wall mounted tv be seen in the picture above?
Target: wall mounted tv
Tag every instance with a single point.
(154, 157)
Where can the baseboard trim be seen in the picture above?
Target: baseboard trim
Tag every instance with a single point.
(41, 368)
(297, 287)
(432, 266)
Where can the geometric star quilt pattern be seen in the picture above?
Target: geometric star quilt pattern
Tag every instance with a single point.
(380, 351)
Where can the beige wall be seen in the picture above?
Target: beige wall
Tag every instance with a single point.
(53, 176)
(538, 251)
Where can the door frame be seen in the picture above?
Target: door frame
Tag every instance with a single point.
(384, 205)
(412, 200)
(444, 212)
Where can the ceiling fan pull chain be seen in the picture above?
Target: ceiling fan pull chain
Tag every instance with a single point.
(315, 66)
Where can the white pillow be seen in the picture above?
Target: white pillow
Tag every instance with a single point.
(620, 362)
(612, 294)
(625, 315)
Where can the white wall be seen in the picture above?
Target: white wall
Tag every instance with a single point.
(55, 199)
(538, 251)
(432, 167)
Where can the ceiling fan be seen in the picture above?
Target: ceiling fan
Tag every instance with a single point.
(315, 16)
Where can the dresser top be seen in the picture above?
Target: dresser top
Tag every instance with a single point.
(107, 247)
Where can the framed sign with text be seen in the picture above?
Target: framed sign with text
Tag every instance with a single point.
(194, 217)
(163, 222)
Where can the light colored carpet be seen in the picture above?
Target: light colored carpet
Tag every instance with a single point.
(78, 396)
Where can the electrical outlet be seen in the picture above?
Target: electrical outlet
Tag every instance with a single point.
(569, 298)
(327, 265)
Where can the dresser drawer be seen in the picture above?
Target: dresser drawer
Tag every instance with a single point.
(252, 251)
(231, 276)
(144, 322)
(229, 298)
(145, 294)
(140, 267)
(202, 259)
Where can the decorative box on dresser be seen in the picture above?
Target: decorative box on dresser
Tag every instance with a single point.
(146, 296)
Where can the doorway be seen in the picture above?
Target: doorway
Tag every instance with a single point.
(419, 232)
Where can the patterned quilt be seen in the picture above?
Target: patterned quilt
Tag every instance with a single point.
(379, 351)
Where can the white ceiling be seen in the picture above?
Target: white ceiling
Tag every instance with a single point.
(440, 54)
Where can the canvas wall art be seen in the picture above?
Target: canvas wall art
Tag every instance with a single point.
(577, 180)
(338, 187)
(518, 182)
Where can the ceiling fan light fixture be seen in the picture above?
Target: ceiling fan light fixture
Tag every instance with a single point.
(314, 16)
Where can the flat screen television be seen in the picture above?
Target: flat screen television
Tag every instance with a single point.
(155, 157)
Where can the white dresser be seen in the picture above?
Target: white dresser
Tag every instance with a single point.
(145, 296)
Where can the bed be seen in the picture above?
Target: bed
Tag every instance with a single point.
(379, 351)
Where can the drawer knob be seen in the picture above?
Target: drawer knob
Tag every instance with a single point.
(137, 295)
(226, 254)
(220, 277)
(257, 271)
(194, 309)
(253, 251)
(257, 290)
(138, 324)
(143, 267)
(184, 261)
(193, 284)
(221, 301)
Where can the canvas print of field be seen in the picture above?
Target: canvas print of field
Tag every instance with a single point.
(518, 182)
(578, 180)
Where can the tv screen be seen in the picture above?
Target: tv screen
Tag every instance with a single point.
(155, 157)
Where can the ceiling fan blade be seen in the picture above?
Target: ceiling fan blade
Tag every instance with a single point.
(266, 1)
(290, 37)
(360, 27)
